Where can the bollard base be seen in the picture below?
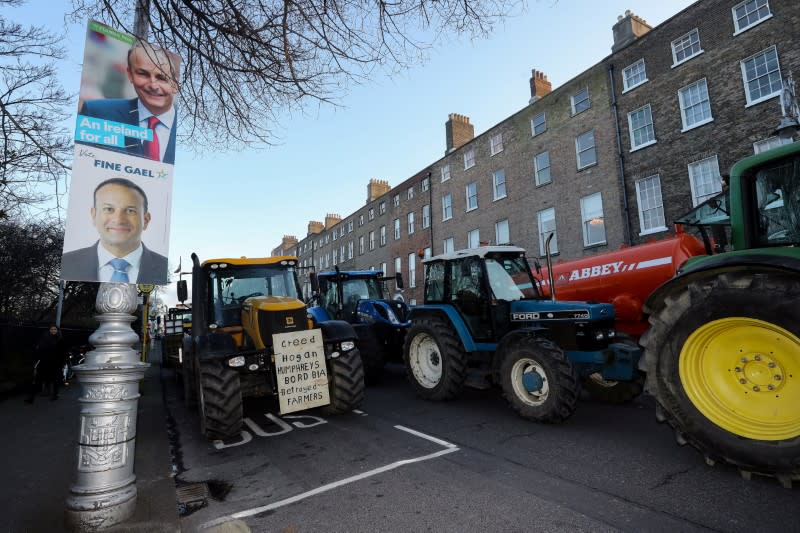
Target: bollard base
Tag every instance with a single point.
(97, 511)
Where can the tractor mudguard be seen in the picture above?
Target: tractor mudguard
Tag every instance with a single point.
(318, 314)
(214, 346)
(337, 331)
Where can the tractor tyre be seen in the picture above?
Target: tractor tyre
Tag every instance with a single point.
(723, 362)
(372, 355)
(219, 397)
(615, 392)
(345, 383)
(539, 361)
(436, 363)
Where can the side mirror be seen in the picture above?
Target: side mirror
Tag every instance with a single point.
(398, 278)
(183, 293)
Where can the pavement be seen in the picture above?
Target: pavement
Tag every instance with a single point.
(39, 451)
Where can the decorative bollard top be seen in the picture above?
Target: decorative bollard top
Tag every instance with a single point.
(116, 298)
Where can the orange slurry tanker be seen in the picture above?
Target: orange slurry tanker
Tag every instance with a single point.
(624, 278)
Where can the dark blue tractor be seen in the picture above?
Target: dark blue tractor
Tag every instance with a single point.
(485, 322)
(360, 298)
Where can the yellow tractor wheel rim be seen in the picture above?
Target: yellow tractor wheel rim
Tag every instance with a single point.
(743, 374)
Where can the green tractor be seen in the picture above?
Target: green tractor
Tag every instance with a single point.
(722, 354)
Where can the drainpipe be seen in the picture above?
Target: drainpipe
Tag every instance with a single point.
(430, 208)
(620, 159)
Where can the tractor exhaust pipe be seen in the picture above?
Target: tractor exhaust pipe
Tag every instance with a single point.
(549, 258)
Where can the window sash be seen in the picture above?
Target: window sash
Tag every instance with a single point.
(634, 75)
(538, 124)
(651, 205)
(640, 124)
(695, 104)
(445, 172)
(750, 13)
(383, 235)
(426, 215)
(471, 193)
(705, 179)
(469, 158)
(499, 181)
(447, 207)
(686, 47)
(541, 166)
(580, 101)
(410, 222)
(473, 238)
(501, 232)
(594, 227)
(396, 228)
(546, 220)
(496, 143)
(585, 149)
(762, 75)
(448, 245)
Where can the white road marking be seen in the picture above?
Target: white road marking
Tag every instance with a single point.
(448, 448)
(359, 412)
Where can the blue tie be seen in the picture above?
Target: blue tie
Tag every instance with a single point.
(120, 266)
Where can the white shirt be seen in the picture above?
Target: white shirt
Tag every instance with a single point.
(164, 127)
(105, 271)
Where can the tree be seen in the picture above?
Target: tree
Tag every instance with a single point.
(36, 145)
(245, 63)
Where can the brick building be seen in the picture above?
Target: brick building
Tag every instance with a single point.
(611, 157)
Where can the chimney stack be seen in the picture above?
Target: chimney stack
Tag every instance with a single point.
(287, 243)
(458, 131)
(331, 220)
(376, 188)
(628, 29)
(540, 86)
(314, 227)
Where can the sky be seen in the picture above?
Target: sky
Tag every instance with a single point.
(241, 203)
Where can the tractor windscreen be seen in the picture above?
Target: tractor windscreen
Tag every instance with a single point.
(712, 220)
(231, 286)
(777, 192)
(510, 278)
(362, 289)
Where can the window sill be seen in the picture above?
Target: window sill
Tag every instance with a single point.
(644, 145)
(697, 125)
(659, 229)
(679, 63)
(500, 198)
(753, 25)
(576, 113)
(495, 153)
(590, 165)
(469, 167)
(632, 87)
(471, 209)
(762, 99)
(543, 184)
(594, 245)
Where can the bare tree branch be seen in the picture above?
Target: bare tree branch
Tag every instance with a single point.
(246, 63)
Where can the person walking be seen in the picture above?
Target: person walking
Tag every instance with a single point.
(51, 354)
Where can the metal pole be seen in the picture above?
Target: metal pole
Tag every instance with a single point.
(104, 493)
(60, 305)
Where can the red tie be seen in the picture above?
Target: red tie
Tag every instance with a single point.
(152, 150)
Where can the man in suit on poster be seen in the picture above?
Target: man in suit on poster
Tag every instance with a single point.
(153, 73)
(120, 215)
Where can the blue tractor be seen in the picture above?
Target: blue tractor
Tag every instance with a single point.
(485, 321)
(359, 297)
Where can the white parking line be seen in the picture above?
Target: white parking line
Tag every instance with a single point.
(448, 448)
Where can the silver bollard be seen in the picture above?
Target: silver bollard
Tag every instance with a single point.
(104, 493)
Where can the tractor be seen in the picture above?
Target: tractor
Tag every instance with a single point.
(251, 336)
(359, 297)
(485, 321)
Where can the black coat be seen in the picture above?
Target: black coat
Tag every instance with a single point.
(51, 352)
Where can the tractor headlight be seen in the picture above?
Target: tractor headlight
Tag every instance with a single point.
(392, 317)
(611, 334)
(599, 335)
(348, 345)
(236, 361)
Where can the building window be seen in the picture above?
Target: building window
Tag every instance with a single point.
(769, 144)
(633, 75)
(410, 193)
(594, 227)
(350, 226)
(426, 254)
(383, 235)
(469, 158)
(382, 207)
(447, 207)
(412, 271)
(396, 228)
(372, 213)
(361, 245)
(704, 179)
(410, 220)
(383, 268)
(336, 256)
(640, 125)
(541, 168)
(445, 170)
(361, 219)
(686, 47)
(762, 76)
(695, 105)
(426, 184)
(341, 231)
(580, 101)
(651, 206)
(538, 124)
(350, 250)
(474, 238)
(584, 149)
(398, 265)
(501, 232)
(499, 184)
(472, 196)
(371, 240)
(396, 200)
(496, 143)
(547, 225)
(426, 216)
(448, 246)
(334, 235)
(750, 13)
